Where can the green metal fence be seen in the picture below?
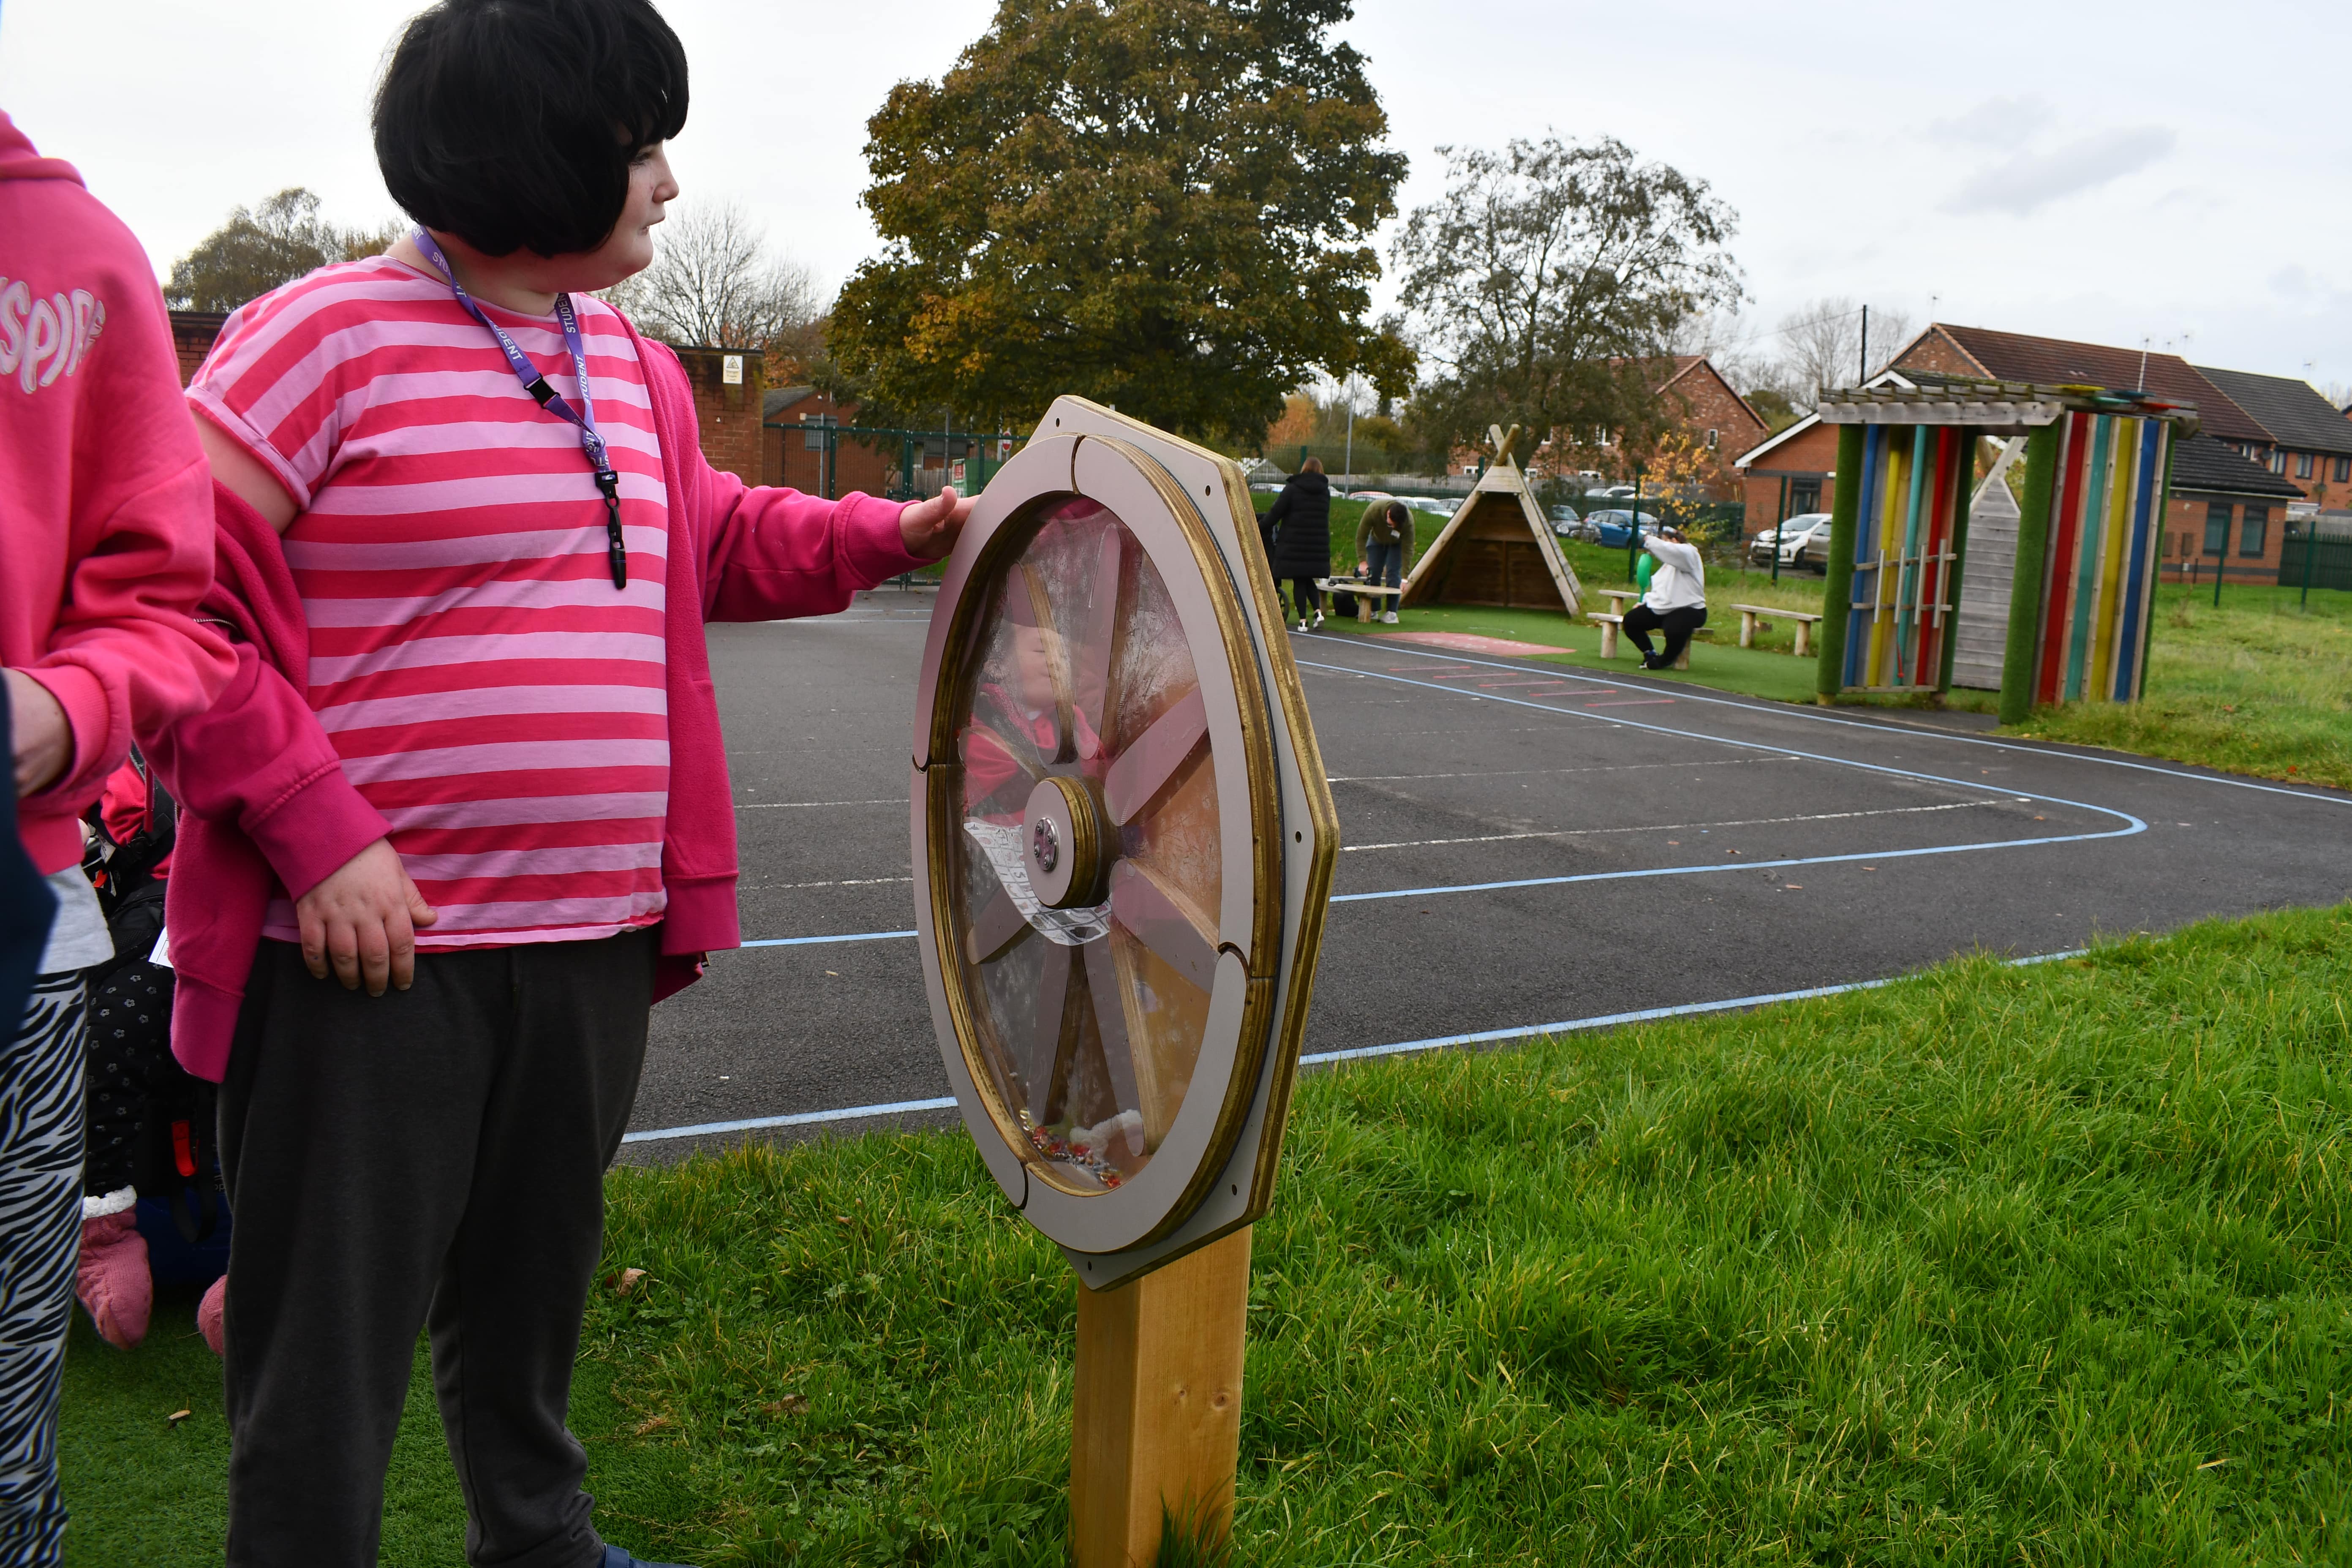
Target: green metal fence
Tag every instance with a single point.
(2317, 556)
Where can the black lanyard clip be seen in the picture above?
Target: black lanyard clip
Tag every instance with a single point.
(615, 549)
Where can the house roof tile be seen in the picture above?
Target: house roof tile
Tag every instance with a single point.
(2290, 410)
(2202, 465)
(2016, 356)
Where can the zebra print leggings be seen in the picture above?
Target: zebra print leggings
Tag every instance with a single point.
(40, 1231)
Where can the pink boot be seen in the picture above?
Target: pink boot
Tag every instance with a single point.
(111, 1278)
(209, 1313)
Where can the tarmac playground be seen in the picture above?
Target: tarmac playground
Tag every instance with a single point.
(1527, 847)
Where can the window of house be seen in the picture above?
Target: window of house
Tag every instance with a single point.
(1714, 439)
(2278, 459)
(2252, 531)
(1804, 496)
(2304, 462)
(812, 431)
(2343, 470)
(2217, 528)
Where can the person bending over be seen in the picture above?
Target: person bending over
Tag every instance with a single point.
(1301, 519)
(1676, 603)
(1383, 540)
(464, 817)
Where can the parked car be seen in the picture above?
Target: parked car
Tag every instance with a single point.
(1368, 496)
(1609, 492)
(1613, 528)
(1802, 541)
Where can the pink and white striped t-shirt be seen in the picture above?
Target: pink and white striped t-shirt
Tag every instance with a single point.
(488, 689)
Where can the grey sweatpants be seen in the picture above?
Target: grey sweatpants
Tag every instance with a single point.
(434, 1155)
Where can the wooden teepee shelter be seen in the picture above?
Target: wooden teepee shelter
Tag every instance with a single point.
(1497, 548)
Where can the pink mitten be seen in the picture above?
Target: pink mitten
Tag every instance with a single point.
(209, 1313)
(111, 1278)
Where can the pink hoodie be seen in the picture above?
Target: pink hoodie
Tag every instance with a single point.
(264, 802)
(105, 516)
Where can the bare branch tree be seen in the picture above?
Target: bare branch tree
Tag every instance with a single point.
(1821, 345)
(714, 282)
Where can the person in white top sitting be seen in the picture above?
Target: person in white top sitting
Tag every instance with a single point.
(1676, 602)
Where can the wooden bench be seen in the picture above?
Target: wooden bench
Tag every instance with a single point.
(1751, 617)
(1608, 625)
(1364, 592)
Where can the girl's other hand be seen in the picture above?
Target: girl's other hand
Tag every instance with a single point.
(361, 920)
(39, 736)
(930, 527)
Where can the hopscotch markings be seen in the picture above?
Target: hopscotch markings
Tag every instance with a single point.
(1674, 826)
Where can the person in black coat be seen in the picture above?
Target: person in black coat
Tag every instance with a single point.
(1300, 517)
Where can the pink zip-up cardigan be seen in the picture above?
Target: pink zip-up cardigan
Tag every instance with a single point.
(264, 801)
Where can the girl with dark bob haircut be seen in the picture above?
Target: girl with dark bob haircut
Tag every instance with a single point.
(463, 816)
(512, 123)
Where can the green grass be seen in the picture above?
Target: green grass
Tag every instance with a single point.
(2261, 686)
(1995, 1264)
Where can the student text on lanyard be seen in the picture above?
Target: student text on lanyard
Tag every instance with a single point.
(547, 397)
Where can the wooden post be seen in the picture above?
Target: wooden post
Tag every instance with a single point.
(1157, 1405)
(1837, 583)
(2017, 664)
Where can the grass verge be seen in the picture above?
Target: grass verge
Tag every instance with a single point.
(1995, 1264)
(2261, 686)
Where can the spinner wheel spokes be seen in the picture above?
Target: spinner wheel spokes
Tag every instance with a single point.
(1090, 872)
(1122, 841)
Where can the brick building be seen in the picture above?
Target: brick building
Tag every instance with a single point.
(2268, 424)
(2225, 507)
(1700, 404)
(2310, 441)
(1789, 475)
(1710, 411)
(795, 447)
(725, 381)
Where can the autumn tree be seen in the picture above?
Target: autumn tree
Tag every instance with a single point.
(262, 247)
(1162, 204)
(1547, 285)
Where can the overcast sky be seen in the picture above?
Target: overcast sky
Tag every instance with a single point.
(2103, 172)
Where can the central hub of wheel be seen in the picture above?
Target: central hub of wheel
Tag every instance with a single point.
(1069, 849)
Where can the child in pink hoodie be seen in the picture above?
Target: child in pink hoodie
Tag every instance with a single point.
(463, 813)
(105, 549)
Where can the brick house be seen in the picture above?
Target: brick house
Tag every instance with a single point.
(1789, 475)
(1711, 413)
(2224, 504)
(794, 449)
(1701, 404)
(725, 381)
(2310, 442)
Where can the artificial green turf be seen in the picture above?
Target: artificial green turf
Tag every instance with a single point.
(1994, 1265)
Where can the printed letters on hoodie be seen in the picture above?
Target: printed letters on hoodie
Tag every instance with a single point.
(44, 336)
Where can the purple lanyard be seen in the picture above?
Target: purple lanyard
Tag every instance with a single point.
(547, 397)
